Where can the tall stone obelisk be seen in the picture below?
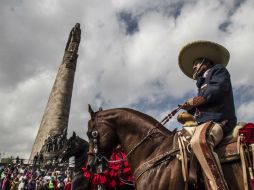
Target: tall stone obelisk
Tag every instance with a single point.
(56, 115)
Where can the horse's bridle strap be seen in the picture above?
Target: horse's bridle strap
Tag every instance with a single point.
(153, 163)
(149, 133)
(90, 153)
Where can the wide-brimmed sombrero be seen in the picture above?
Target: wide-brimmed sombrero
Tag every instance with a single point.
(201, 49)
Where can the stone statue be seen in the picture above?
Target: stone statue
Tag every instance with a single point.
(49, 144)
(54, 144)
(41, 159)
(58, 142)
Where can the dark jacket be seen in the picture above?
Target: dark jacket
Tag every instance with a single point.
(217, 90)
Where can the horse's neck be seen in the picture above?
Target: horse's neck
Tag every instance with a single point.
(80, 160)
(133, 125)
(133, 133)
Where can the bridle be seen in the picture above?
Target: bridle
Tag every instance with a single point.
(95, 134)
(98, 157)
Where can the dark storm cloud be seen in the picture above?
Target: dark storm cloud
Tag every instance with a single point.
(27, 45)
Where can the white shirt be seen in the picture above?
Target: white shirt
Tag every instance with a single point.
(206, 73)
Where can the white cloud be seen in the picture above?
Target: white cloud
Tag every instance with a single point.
(114, 68)
(240, 33)
(20, 118)
(245, 112)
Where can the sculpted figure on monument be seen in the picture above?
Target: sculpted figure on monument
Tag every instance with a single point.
(74, 39)
(41, 159)
(64, 138)
(58, 142)
(54, 144)
(72, 47)
(49, 144)
(61, 141)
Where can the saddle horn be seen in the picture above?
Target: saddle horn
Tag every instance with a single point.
(92, 113)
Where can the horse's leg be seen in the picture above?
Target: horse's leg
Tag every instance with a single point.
(233, 175)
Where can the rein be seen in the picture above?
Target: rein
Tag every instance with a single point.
(100, 157)
(170, 115)
(127, 182)
(162, 158)
(149, 133)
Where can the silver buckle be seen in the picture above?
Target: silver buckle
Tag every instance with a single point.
(95, 134)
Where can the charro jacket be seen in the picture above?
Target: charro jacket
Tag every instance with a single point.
(216, 89)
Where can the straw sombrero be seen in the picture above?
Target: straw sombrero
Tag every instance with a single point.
(201, 49)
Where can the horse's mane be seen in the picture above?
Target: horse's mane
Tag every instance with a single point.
(149, 119)
(81, 140)
(75, 149)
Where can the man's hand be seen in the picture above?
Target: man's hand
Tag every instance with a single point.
(188, 105)
(193, 102)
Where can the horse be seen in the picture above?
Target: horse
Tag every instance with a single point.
(151, 149)
(78, 148)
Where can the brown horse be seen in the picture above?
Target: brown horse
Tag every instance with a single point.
(151, 149)
(78, 148)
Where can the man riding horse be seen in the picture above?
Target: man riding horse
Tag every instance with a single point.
(213, 106)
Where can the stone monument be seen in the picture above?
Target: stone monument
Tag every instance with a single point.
(52, 133)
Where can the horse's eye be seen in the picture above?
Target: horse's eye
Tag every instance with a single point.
(95, 134)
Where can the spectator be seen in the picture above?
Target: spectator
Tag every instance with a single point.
(21, 185)
(15, 183)
(35, 159)
(32, 178)
(31, 183)
(17, 160)
(67, 183)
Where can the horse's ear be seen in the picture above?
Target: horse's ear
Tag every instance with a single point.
(74, 134)
(92, 113)
(100, 109)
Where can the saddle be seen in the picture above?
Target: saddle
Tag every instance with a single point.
(226, 149)
(236, 147)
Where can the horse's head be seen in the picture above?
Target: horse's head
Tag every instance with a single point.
(102, 136)
(74, 146)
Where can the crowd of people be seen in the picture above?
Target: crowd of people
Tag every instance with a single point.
(22, 177)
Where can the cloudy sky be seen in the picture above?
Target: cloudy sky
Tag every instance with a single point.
(127, 58)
